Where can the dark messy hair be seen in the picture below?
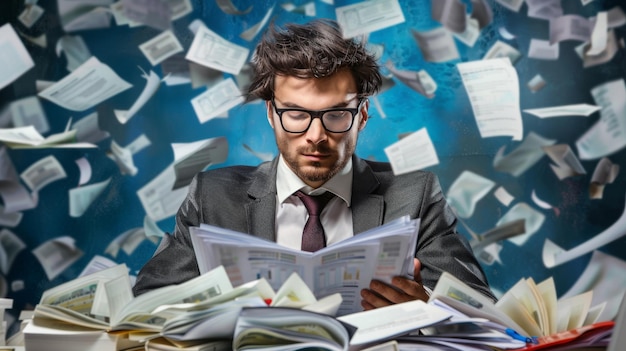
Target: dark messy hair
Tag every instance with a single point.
(313, 50)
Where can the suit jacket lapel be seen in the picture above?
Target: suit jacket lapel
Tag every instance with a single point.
(367, 207)
(261, 207)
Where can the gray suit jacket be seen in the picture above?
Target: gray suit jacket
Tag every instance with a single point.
(243, 198)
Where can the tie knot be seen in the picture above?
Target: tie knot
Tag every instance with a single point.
(314, 204)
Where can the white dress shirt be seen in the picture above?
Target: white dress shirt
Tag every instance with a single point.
(291, 215)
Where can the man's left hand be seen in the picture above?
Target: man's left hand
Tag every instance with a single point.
(401, 289)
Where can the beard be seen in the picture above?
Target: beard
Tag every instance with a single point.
(314, 172)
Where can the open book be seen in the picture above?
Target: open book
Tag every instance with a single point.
(104, 300)
(290, 329)
(528, 308)
(345, 267)
(206, 307)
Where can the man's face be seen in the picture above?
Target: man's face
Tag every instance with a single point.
(316, 155)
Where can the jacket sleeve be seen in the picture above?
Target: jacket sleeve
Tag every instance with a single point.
(441, 248)
(174, 261)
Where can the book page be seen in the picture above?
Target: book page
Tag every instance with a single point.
(519, 310)
(462, 297)
(345, 267)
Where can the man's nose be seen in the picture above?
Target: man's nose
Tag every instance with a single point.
(316, 132)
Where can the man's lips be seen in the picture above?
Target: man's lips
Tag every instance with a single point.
(316, 156)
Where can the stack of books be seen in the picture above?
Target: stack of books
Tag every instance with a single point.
(307, 301)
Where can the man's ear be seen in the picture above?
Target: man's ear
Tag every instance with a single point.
(269, 111)
(364, 114)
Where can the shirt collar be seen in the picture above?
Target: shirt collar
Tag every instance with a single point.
(288, 183)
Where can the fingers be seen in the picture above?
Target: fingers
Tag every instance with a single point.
(417, 266)
(380, 294)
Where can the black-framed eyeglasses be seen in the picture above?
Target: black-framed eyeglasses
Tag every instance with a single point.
(334, 120)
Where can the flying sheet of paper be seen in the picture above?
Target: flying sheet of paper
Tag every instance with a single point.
(57, 254)
(41, 40)
(564, 110)
(15, 59)
(42, 173)
(436, 45)
(542, 203)
(153, 81)
(123, 157)
(534, 220)
(128, 241)
(88, 130)
(179, 8)
(175, 70)
(10, 219)
(85, 14)
(616, 17)
(570, 27)
(566, 163)
(419, 81)
(10, 245)
(412, 153)
(608, 135)
(307, 9)
(599, 35)
(89, 85)
(536, 83)
(611, 48)
(553, 255)
(501, 49)
(204, 76)
(96, 264)
(157, 197)
(504, 33)
(523, 156)
(471, 33)
(482, 12)
(217, 100)
(161, 47)
(503, 196)
(154, 13)
(141, 142)
(75, 50)
(191, 158)
(16, 198)
(152, 229)
(229, 8)
(493, 91)
(604, 275)
(501, 232)
(543, 50)
(368, 16)
(83, 196)
(30, 15)
(85, 170)
(210, 50)
(252, 32)
(28, 138)
(465, 192)
(451, 14)
(544, 9)
(28, 111)
(604, 173)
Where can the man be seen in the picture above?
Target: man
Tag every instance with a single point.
(315, 85)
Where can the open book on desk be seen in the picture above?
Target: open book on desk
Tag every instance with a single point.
(104, 300)
(345, 267)
(527, 308)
